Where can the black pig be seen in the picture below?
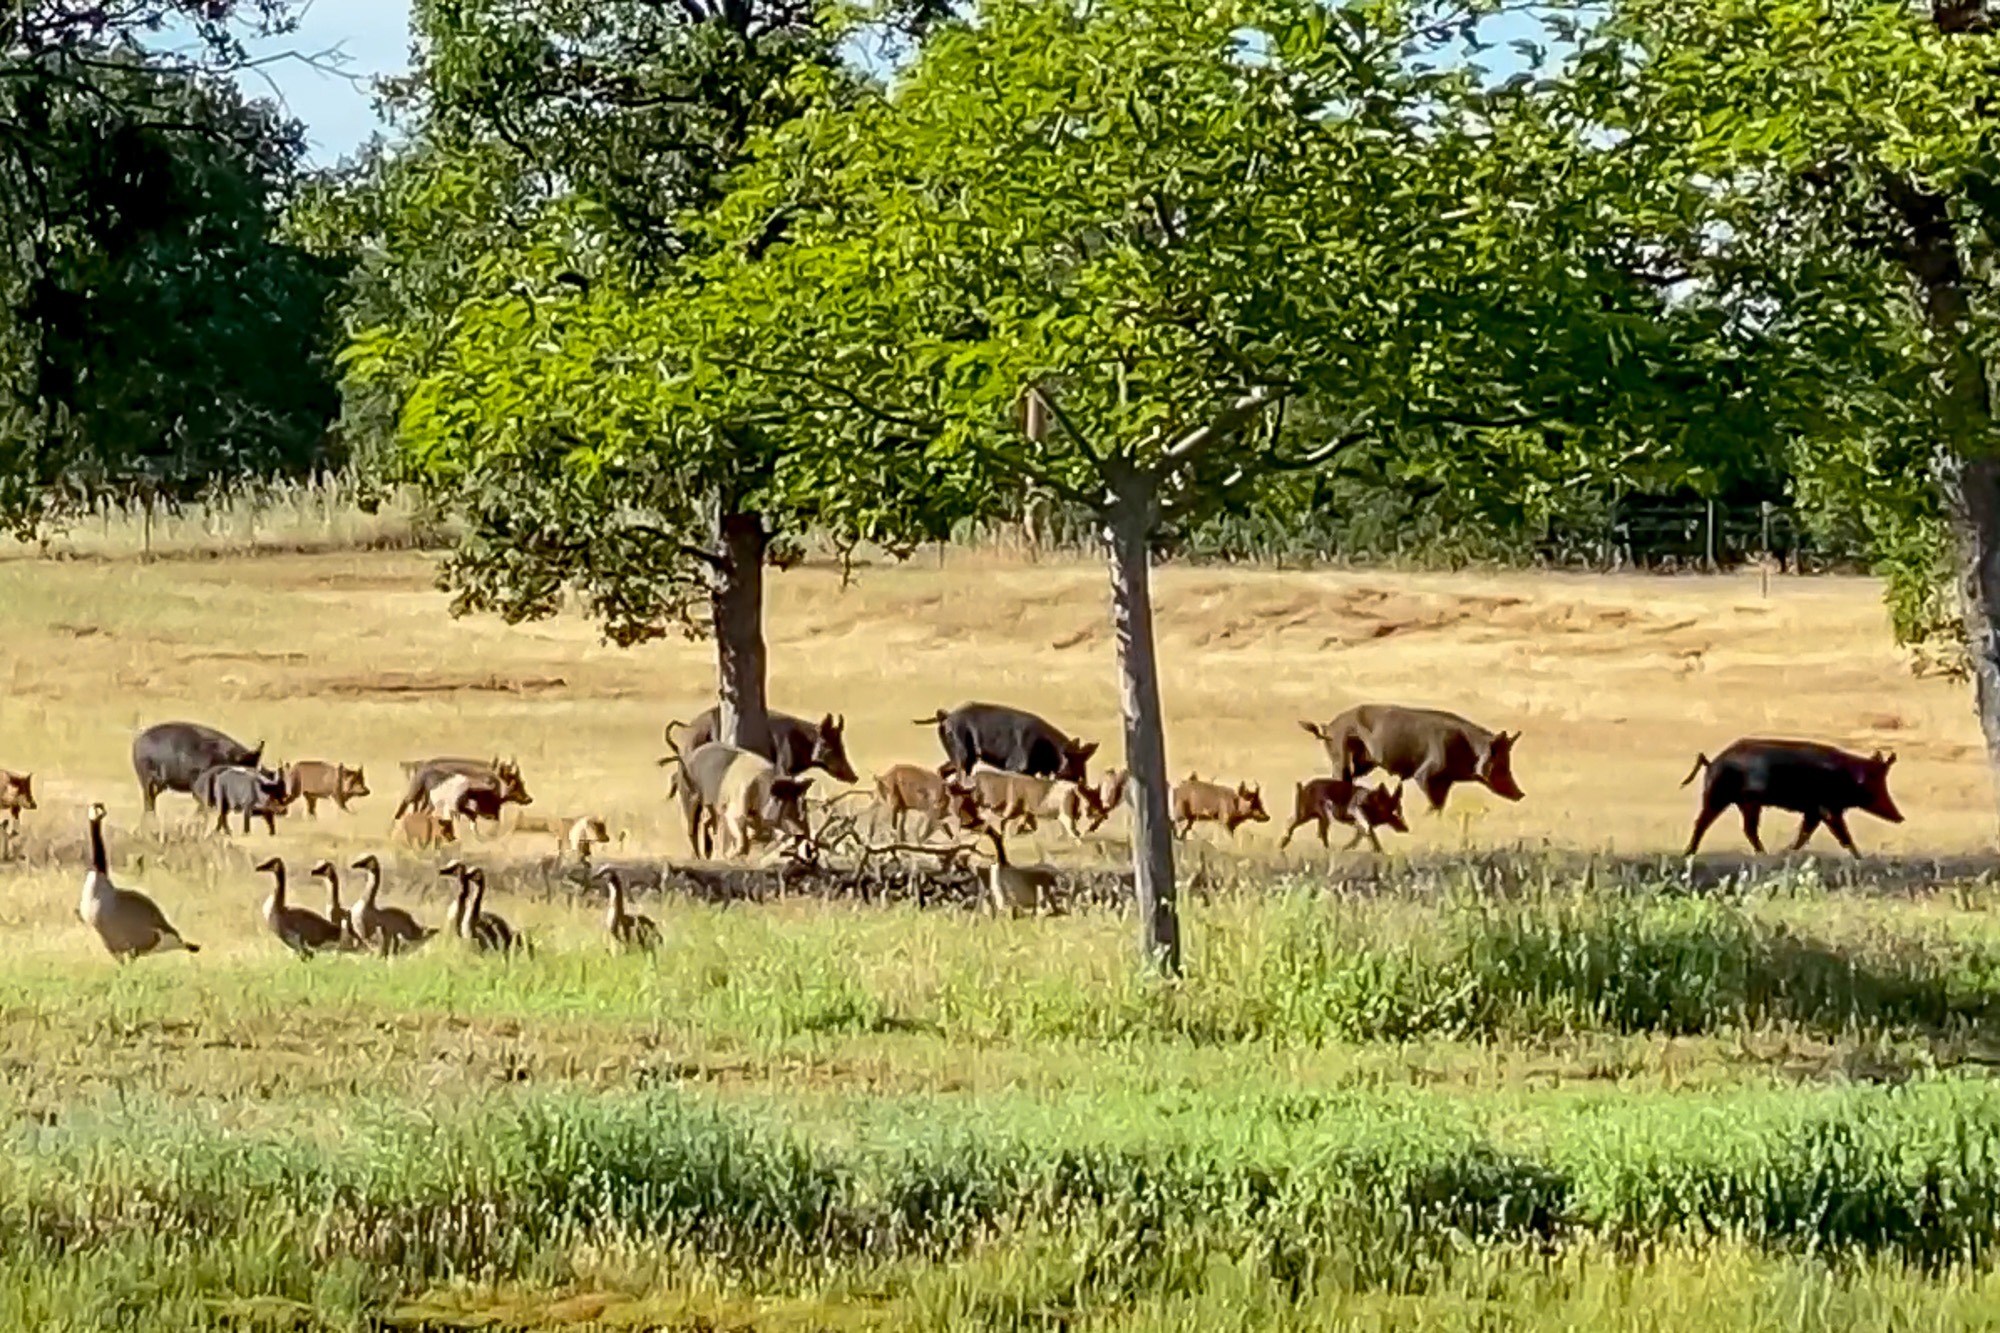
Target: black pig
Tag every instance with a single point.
(1819, 782)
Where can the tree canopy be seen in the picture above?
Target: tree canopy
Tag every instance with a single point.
(1167, 222)
(1841, 160)
(158, 334)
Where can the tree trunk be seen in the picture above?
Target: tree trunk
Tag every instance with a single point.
(737, 601)
(1966, 469)
(1128, 534)
(1970, 489)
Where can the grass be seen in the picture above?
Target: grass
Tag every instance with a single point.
(1484, 1085)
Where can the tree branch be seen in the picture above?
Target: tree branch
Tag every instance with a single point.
(853, 398)
(719, 564)
(1063, 419)
(1225, 423)
(1356, 433)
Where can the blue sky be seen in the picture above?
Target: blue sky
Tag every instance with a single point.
(364, 38)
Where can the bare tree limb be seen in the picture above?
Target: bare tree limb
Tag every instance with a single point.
(1225, 423)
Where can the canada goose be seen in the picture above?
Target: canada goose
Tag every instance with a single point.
(461, 902)
(128, 922)
(389, 928)
(342, 919)
(481, 929)
(630, 929)
(1016, 888)
(299, 929)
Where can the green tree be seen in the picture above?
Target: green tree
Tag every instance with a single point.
(1843, 158)
(1173, 219)
(594, 136)
(163, 337)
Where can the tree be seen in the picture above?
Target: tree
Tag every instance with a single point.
(649, 485)
(164, 336)
(1170, 221)
(1845, 159)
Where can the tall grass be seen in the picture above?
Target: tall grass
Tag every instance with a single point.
(1305, 969)
(1358, 1192)
(335, 512)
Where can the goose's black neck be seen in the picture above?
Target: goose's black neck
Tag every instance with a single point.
(98, 861)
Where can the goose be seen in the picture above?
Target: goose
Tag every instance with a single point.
(454, 916)
(483, 930)
(299, 929)
(1015, 888)
(130, 924)
(630, 929)
(391, 928)
(342, 919)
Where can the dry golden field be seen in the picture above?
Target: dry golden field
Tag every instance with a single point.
(811, 1115)
(1615, 682)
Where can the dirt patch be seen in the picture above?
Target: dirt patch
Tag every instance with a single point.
(252, 655)
(405, 684)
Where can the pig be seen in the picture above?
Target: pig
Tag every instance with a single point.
(796, 744)
(907, 789)
(1324, 801)
(740, 794)
(1198, 802)
(228, 789)
(421, 828)
(1433, 749)
(1012, 798)
(1819, 782)
(315, 780)
(461, 796)
(1111, 789)
(501, 776)
(17, 793)
(575, 834)
(171, 755)
(1011, 740)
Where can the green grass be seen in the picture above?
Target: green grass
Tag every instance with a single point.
(1603, 1106)
(1115, 1201)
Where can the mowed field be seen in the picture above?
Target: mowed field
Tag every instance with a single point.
(1459, 1101)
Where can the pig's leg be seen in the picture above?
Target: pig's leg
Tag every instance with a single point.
(1807, 823)
(1708, 816)
(1436, 785)
(1752, 814)
(1837, 821)
(1701, 825)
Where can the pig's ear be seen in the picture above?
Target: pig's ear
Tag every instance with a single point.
(1887, 760)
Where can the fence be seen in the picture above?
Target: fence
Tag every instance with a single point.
(1652, 533)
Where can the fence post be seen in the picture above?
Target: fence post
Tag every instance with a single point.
(1711, 536)
(1764, 562)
